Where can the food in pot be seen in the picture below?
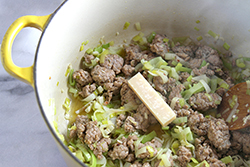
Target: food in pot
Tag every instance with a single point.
(110, 126)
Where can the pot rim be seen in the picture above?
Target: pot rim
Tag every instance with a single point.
(37, 93)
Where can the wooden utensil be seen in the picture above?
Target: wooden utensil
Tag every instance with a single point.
(235, 107)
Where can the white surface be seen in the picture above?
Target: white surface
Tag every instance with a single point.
(25, 139)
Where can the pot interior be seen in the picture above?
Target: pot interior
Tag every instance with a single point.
(77, 21)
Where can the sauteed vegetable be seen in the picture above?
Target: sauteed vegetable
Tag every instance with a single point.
(110, 126)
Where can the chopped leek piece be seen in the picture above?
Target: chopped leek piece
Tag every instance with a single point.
(150, 150)
(201, 77)
(81, 48)
(127, 164)
(101, 162)
(182, 102)
(89, 51)
(85, 42)
(111, 164)
(106, 46)
(100, 89)
(147, 65)
(138, 26)
(209, 97)
(98, 49)
(173, 102)
(187, 85)
(226, 46)
(246, 72)
(98, 113)
(233, 101)
(227, 63)
(234, 110)
(138, 37)
(246, 118)
(174, 63)
(194, 89)
(208, 116)
(93, 159)
(197, 29)
(73, 127)
(165, 128)
(92, 64)
(68, 70)
(199, 38)
(194, 160)
(163, 74)
(179, 67)
(235, 118)
(170, 56)
(174, 74)
(240, 63)
(119, 131)
(184, 135)
(72, 149)
(80, 156)
(153, 66)
(227, 159)
(222, 83)
(103, 55)
(117, 50)
(218, 115)
(239, 161)
(189, 78)
(82, 45)
(52, 104)
(165, 159)
(89, 98)
(148, 137)
(84, 150)
(126, 25)
(175, 146)
(166, 68)
(204, 63)
(66, 104)
(107, 128)
(158, 62)
(197, 21)
(180, 120)
(203, 164)
(205, 85)
(151, 37)
(191, 164)
(141, 151)
(138, 67)
(217, 102)
(72, 81)
(143, 41)
(212, 34)
(165, 40)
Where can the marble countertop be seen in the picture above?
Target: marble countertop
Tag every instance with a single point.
(24, 137)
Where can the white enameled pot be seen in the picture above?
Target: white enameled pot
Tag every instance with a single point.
(76, 21)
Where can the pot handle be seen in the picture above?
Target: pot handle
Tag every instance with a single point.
(24, 74)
